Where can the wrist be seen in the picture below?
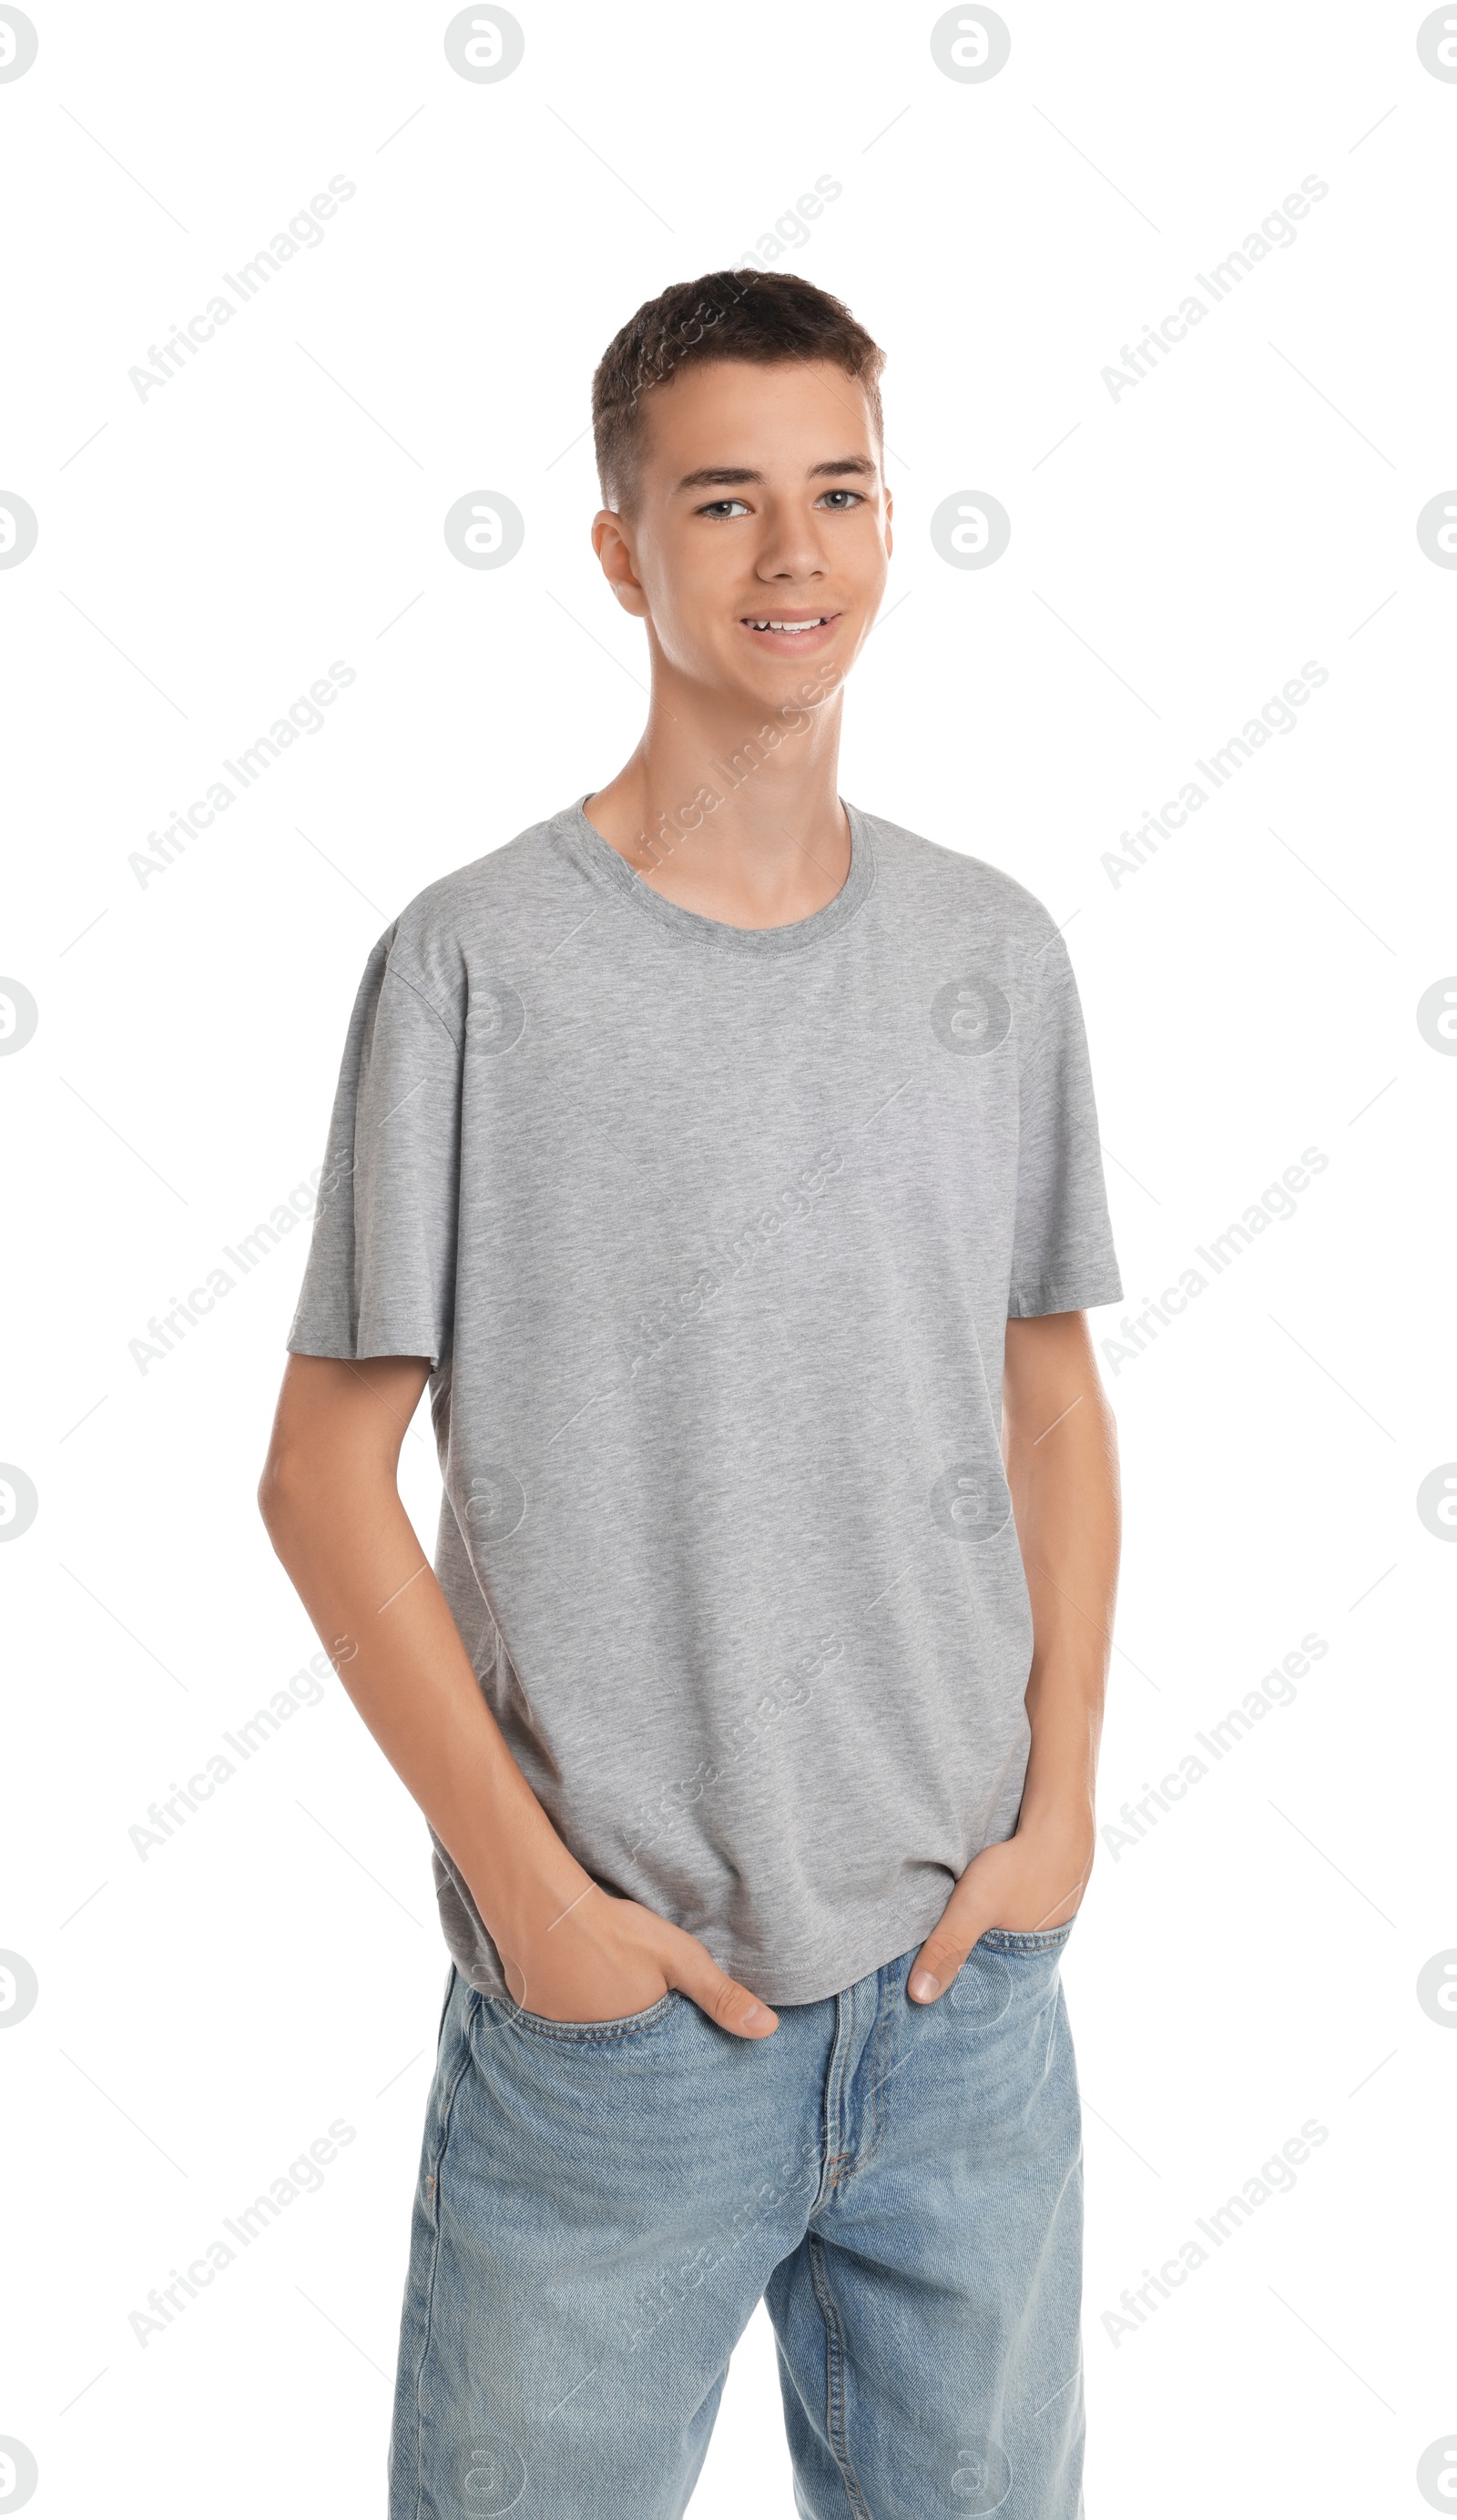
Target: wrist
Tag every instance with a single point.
(1066, 1810)
(522, 1898)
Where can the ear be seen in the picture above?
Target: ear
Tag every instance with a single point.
(610, 541)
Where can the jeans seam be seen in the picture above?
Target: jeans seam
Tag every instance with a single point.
(446, 2119)
(879, 2077)
(834, 2155)
(834, 2379)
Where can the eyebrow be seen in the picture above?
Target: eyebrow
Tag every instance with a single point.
(738, 476)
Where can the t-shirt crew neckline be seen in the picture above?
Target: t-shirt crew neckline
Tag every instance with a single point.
(605, 861)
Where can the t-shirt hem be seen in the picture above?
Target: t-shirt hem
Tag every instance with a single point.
(901, 1930)
(331, 1343)
(1073, 1295)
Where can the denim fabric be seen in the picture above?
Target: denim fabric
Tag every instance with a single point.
(602, 2205)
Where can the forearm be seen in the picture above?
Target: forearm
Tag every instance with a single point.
(1063, 1474)
(356, 1564)
(331, 1503)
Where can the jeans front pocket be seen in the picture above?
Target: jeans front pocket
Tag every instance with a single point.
(627, 2025)
(1001, 1938)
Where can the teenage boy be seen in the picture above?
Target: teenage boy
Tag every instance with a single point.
(725, 1157)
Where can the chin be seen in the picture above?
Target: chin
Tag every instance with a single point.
(780, 681)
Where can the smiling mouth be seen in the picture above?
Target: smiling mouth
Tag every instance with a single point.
(815, 621)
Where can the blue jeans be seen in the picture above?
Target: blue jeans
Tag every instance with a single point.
(601, 2206)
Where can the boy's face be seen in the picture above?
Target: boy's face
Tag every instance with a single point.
(760, 498)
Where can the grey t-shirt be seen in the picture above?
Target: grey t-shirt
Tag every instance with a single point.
(711, 1234)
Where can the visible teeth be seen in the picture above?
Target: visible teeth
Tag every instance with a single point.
(792, 626)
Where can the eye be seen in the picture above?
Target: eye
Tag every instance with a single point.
(722, 506)
(854, 499)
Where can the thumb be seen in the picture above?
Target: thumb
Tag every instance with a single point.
(942, 1954)
(698, 1975)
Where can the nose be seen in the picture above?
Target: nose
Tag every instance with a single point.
(792, 548)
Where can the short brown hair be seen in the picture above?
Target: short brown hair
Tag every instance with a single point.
(762, 317)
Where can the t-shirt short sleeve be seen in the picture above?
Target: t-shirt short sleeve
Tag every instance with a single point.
(1063, 1256)
(380, 1274)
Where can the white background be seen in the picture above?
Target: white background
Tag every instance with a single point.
(1176, 556)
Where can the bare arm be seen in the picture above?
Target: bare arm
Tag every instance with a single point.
(1061, 1456)
(332, 1507)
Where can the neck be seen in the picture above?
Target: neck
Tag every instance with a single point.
(729, 805)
